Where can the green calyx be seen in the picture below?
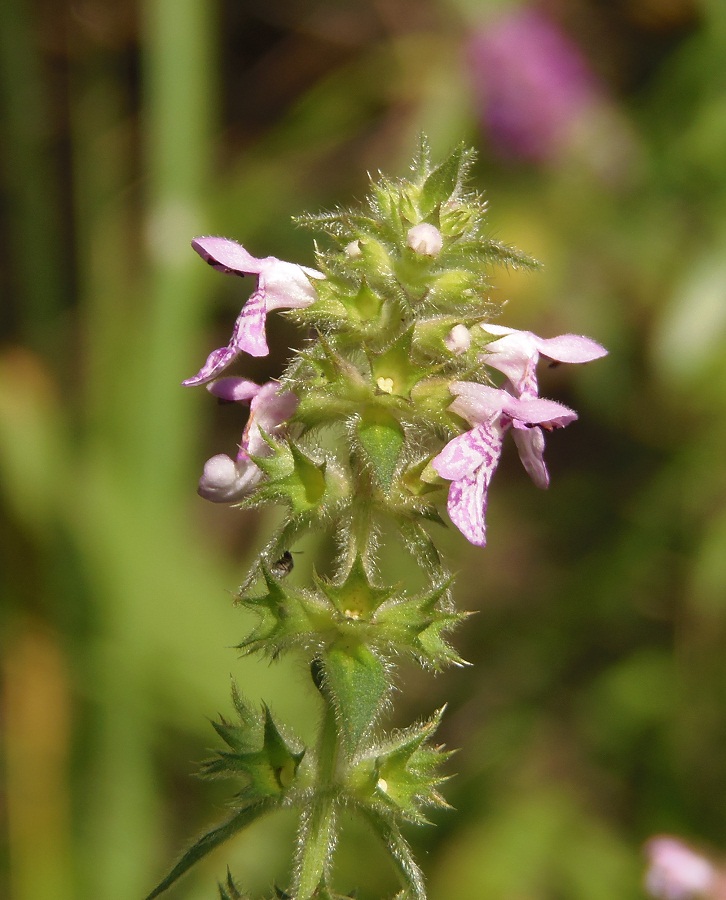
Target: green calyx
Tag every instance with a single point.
(259, 755)
(399, 777)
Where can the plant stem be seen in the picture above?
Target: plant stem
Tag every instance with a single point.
(317, 830)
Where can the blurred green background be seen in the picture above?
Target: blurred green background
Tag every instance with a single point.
(594, 714)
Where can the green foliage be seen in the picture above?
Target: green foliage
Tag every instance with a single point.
(382, 440)
(356, 681)
(242, 818)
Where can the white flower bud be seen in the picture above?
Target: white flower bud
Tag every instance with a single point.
(353, 250)
(224, 480)
(458, 340)
(425, 239)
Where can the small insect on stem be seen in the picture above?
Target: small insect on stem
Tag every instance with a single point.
(283, 566)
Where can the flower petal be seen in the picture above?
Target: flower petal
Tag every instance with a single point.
(530, 444)
(248, 335)
(234, 390)
(217, 361)
(286, 285)
(570, 348)
(467, 502)
(458, 340)
(467, 505)
(515, 355)
(425, 239)
(224, 480)
(477, 403)
(538, 411)
(269, 409)
(227, 256)
(467, 452)
(676, 872)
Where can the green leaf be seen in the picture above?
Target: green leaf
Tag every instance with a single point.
(382, 438)
(444, 180)
(356, 680)
(214, 839)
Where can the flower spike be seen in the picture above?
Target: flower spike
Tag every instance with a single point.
(280, 285)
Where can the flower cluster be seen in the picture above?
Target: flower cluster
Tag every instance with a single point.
(468, 461)
(401, 399)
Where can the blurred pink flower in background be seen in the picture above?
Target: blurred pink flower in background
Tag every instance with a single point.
(533, 87)
(676, 872)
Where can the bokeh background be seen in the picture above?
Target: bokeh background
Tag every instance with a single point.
(594, 713)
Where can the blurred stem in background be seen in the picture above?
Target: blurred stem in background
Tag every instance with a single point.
(137, 409)
(31, 184)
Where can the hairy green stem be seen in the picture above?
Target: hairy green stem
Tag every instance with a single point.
(317, 830)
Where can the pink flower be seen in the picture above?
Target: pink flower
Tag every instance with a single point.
(225, 480)
(516, 354)
(470, 460)
(676, 872)
(533, 87)
(280, 285)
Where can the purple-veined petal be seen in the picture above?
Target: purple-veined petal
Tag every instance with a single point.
(467, 452)
(467, 506)
(225, 481)
(530, 444)
(234, 390)
(467, 502)
(228, 256)
(280, 285)
(217, 361)
(248, 335)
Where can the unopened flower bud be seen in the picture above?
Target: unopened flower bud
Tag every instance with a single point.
(458, 340)
(425, 239)
(353, 250)
(224, 480)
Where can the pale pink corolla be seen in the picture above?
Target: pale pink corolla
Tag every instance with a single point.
(280, 285)
(470, 460)
(675, 872)
(516, 353)
(226, 480)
